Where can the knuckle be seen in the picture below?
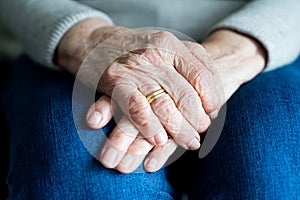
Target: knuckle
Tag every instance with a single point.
(168, 115)
(132, 61)
(165, 34)
(204, 86)
(173, 128)
(201, 77)
(189, 102)
(164, 105)
(142, 122)
(140, 147)
(169, 109)
(112, 71)
(138, 52)
(150, 53)
(209, 102)
(181, 138)
(188, 95)
(203, 124)
(172, 123)
(162, 37)
(110, 78)
(139, 111)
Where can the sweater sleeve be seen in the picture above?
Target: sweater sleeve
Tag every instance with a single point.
(40, 24)
(274, 23)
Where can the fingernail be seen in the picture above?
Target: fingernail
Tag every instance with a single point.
(161, 138)
(194, 144)
(94, 118)
(152, 163)
(109, 157)
(127, 162)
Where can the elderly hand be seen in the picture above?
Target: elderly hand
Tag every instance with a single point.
(150, 60)
(238, 58)
(130, 151)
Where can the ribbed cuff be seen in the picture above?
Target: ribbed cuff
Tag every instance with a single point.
(269, 23)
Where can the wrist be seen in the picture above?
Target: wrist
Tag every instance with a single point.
(78, 42)
(237, 58)
(236, 53)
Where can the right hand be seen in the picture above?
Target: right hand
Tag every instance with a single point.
(236, 68)
(160, 61)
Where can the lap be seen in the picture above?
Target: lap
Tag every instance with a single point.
(48, 159)
(256, 153)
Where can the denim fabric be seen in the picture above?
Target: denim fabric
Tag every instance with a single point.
(256, 157)
(258, 153)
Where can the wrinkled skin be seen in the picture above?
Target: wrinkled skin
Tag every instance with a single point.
(177, 112)
(151, 60)
(183, 113)
(160, 60)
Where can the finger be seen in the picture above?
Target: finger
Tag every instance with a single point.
(175, 124)
(159, 156)
(205, 79)
(118, 143)
(135, 155)
(181, 91)
(199, 52)
(99, 113)
(202, 81)
(135, 105)
(184, 99)
(197, 74)
(172, 119)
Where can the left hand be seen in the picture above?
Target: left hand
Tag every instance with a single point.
(238, 59)
(131, 150)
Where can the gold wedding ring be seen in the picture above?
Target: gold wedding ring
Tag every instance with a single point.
(155, 95)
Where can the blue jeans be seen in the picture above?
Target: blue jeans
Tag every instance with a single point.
(256, 157)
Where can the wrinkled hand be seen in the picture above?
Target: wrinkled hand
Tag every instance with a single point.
(238, 59)
(132, 64)
(153, 60)
(126, 152)
(229, 65)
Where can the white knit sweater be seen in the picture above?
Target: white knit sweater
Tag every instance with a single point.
(40, 24)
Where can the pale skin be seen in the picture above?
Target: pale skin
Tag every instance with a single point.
(220, 65)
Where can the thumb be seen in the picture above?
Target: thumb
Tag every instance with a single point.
(100, 113)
